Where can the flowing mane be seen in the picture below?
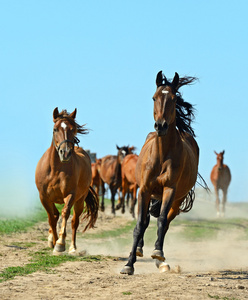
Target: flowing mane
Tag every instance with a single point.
(184, 110)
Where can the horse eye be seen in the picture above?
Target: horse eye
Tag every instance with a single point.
(55, 129)
(153, 99)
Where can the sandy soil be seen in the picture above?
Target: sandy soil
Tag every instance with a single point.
(211, 269)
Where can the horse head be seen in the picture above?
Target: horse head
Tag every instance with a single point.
(64, 133)
(122, 152)
(220, 158)
(164, 111)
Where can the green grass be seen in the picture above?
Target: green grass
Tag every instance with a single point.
(112, 233)
(196, 230)
(19, 224)
(221, 298)
(43, 261)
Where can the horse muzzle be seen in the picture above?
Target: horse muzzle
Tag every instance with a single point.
(161, 127)
(65, 154)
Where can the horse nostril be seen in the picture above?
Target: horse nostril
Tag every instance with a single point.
(157, 126)
(165, 125)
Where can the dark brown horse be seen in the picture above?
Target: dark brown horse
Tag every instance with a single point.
(63, 175)
(167, 167)
(97, 181)
(110, 172)
(129, 183)
(221, 178)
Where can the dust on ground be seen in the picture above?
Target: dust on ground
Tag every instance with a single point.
(208, 269)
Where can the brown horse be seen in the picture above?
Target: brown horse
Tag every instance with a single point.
(167, 167)
(110, 172)
(129, 183)
(63, 175)
(97, 181)
(220, 178)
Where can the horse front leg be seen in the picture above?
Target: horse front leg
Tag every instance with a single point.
(224, 203)
(163, 224)
(60, 244)
(139, 230)
(217, 203)
(139, 250)
(53, 216)
(77, 211)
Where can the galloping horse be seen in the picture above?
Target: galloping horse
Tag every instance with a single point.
(63, 175)
(221, 178)
(129, 182)
(97, 181)
(167, 167)
(110, 172)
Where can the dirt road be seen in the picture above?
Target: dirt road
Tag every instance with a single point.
(208, 269)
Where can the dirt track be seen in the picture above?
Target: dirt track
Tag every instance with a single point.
(217, 270)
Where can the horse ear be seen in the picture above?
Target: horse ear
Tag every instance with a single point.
(55, 114)
(223, 152)
(215, 152)
(118, 148)
(175, 81)
(159, 79)
(73, 114)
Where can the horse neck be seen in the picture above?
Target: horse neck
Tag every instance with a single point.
(165, 143)
(117, 170)
(54, 158)
(220, 163)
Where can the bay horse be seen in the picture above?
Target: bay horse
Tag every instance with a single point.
(63, 176)
(129, 183)
(220, 177)
(166, 169)
(110, 172)
(97, 181)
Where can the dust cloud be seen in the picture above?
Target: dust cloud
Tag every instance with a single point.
(228, 250)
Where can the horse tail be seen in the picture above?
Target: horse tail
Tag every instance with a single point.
(92, 205)
(188, 202)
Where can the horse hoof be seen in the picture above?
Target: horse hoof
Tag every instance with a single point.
(127, 270)
(118, 206)
(123, 211)
(72, 251)
(158, 254)
(162, 266)
(102, 208)
(139, 252)
(59, 248)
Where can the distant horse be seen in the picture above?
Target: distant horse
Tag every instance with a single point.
(110, 172)
(97, 181)
(63, 176)
(167, 167)
(221, 178)
(129, 183)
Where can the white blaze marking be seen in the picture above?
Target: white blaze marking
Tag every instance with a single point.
(165, 92)
(63, 125)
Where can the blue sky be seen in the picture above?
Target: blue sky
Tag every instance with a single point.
(102, 57)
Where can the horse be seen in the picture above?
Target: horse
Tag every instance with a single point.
(63, 176)
(129, 183)
(220, 177)
(166, 169)
(110, 172)
(97, 181)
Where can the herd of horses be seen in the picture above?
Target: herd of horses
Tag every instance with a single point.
(164, 173)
